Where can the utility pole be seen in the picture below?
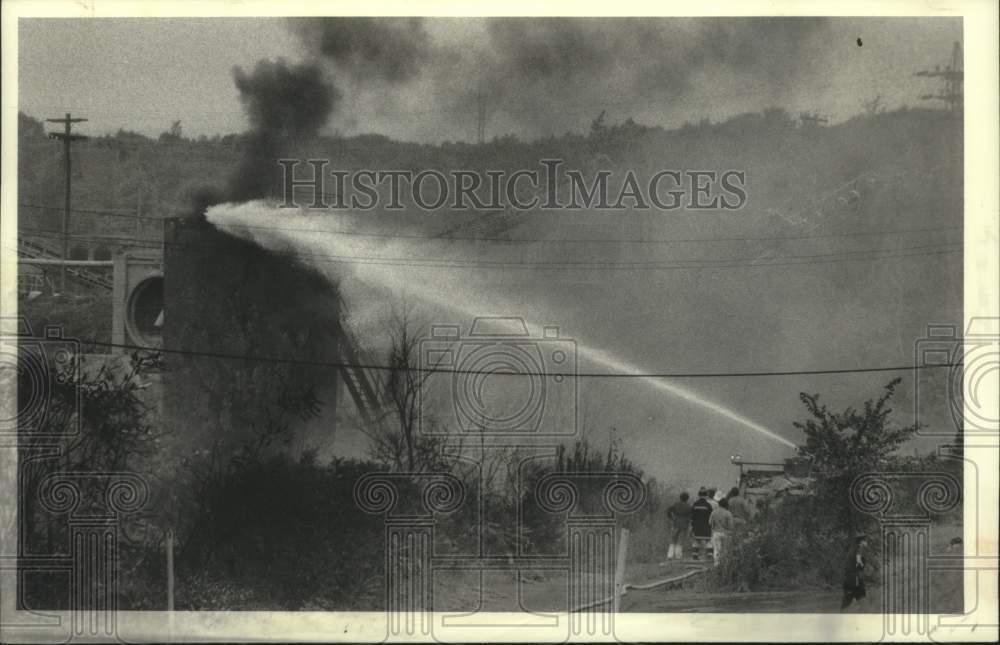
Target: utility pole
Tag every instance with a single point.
(67, 138)
(481, 115)
(954, 79)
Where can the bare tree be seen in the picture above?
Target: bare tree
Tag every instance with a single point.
(394, 432)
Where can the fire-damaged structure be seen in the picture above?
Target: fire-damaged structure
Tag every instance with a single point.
(252, 340)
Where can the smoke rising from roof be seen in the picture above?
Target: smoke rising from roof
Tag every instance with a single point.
(289, 103)
(285, 104)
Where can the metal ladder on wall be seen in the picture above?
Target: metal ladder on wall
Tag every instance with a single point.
(361, 381)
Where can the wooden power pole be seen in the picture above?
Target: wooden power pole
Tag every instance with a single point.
(67, 138)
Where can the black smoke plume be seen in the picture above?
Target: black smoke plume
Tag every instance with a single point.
(286, 104)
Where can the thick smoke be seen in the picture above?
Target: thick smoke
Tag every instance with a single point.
(533, 73)
(769, 47)
(285, 104)
(288, 104)
(539, 74)
(365, 49)
(535, 69)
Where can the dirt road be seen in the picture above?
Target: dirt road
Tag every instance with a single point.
(679, 600)
(502, 591)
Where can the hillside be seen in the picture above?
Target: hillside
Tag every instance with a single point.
(840, 234)
(788, 164)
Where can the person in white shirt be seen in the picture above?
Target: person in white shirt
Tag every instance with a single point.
(721, 521)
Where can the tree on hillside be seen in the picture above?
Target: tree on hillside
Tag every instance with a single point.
(175, 134)
(29, 127)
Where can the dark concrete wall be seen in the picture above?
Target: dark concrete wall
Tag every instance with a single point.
(226, 296)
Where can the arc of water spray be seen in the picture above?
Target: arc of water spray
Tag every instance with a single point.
(229, 217)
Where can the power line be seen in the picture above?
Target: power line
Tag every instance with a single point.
(725, 263)
(418, 263)
(638, 101)
(464, 372)
(85, 237)
(842, 256)
(473, 238)
(476, 238)
(89, 211)
(534, 240)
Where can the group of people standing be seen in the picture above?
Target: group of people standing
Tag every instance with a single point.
(712, 520)
(709, 521)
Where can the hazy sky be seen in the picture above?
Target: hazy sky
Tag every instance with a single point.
(420, 81)
(141, 74)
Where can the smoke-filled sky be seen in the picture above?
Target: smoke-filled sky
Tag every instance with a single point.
(283, 81)
(419, 79)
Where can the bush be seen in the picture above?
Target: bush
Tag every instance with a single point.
(274, 534)
(803, 541)
(792, 545)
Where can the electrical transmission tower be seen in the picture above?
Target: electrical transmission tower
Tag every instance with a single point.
(953, 76)
(67, 138)
(481, 114)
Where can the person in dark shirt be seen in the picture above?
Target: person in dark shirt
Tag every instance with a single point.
(854, 579)
(701, 510)
(680, 524)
